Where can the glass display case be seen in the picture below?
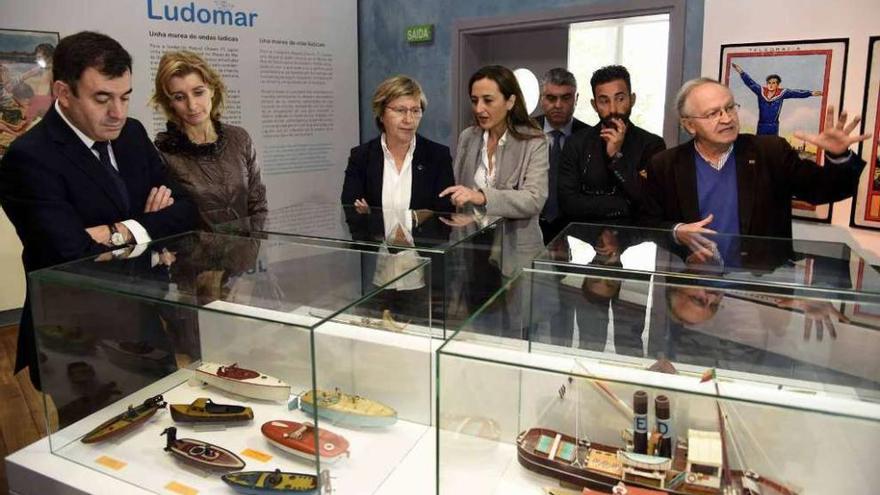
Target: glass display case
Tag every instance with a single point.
(180, 365)
(464, 247)
(801, 266)
(664, 383)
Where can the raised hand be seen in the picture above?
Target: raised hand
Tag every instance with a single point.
(613, 136)
(691, 235)
(835, 138)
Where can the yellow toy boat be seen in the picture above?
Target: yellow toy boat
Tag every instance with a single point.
(347, 410)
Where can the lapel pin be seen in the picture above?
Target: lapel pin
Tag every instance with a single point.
(420, 167)
(751, 161)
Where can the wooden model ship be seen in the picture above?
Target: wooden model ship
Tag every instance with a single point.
(267, 482)
(347, 410)
(242, 381)
(299, 439)
(126, 421)
(204, 410)
(649, 465)
(201, 454)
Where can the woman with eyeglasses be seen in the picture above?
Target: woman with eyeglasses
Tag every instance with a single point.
(399, 169)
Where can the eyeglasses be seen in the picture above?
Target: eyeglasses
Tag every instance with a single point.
(403, 111)
(730, 110)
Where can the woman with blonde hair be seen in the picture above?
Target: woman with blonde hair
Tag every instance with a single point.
(216, 163)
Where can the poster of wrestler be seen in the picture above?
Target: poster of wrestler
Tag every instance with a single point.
(866, 203)
(784, 87)
(25, 81)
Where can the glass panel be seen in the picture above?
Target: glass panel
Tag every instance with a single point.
(460, 246)
(204, 321)
(817, 268)
(742, 379)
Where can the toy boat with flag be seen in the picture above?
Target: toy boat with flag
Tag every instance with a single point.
(347, 410)
(299, 439)
(124, 422)
(263, 482)
(242, 381)
(204, 410)
(201, 454)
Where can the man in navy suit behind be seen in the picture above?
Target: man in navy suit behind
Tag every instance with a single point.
(86, 179)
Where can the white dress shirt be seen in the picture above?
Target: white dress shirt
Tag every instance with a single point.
(137, 230)
(397, 186)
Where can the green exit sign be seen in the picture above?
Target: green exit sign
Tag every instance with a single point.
(423, 33)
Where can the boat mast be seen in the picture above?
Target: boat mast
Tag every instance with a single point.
(726, 479)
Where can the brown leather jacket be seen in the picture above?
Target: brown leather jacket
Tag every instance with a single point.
(223, 177)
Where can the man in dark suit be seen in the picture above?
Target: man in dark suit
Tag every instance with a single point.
(86, 179)
(736, 183)
(558, 98)
(601, 172)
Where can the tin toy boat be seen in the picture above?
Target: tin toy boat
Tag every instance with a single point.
(242, 381)
(204, 410)
(124, 422)
(299, 439)
(263, 482)
(201, 454)
(347, 410)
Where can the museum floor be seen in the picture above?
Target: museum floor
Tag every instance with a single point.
(22, 419)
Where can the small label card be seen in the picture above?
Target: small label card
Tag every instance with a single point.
(109, 462)
(181, 489)
(256, 454)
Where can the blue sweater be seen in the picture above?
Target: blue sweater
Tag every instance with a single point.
(716, 191)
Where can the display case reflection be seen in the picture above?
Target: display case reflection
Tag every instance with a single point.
(462, 247)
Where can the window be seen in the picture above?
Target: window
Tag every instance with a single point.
(638, 43)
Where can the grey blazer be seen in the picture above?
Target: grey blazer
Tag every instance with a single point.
(519, 193)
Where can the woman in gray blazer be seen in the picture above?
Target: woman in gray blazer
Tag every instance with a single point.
(502, 163)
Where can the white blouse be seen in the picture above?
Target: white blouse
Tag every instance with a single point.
(484, 177)
(397, 186)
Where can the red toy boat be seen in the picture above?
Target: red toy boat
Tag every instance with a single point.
(299, 439)
(201, 454)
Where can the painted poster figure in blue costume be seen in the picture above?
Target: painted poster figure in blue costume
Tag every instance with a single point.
(770, 99)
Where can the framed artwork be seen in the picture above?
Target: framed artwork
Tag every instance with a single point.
(784, 87)
(866, 203)
(25, 80)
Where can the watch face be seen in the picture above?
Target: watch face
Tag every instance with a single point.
(117, 239)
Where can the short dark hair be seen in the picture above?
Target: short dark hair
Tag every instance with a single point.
(77, 52)
(559, 77)
(774, 76)
(610, 73)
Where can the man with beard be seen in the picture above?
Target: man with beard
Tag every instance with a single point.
(558, 98)
(601, 170)
(727, 182)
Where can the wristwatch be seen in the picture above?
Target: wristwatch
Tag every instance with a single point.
(116, 237)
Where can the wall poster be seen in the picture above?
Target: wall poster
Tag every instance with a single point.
(784, 87)
(866, 203)
(25, 81)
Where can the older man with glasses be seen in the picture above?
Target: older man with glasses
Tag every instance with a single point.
(726, 182)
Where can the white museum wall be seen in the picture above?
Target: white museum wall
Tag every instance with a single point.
(746, 21)
(292, 78)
